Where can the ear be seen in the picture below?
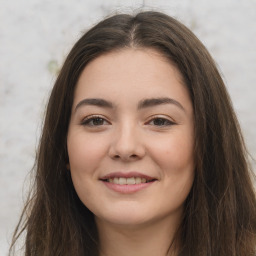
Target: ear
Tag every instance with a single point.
(68, 166)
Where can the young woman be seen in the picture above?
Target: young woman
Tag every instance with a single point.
(141, 153)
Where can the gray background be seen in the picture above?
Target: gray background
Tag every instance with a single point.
(36, 35)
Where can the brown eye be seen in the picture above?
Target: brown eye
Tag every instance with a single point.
(161, 122)
(94, 121)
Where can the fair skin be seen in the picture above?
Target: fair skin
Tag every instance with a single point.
(130, 145)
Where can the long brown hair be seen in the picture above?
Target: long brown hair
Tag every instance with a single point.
(220, 211)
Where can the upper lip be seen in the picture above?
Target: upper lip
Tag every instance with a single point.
(126, 175)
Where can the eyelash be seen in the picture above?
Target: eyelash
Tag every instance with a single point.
(163, 122)
(88, 121)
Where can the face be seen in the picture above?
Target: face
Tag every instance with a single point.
(131, 138)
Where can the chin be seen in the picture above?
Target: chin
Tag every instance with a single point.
(125, 218)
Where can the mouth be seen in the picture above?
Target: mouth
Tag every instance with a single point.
(127, 182)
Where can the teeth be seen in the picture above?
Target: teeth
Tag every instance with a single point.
(137, 180)
(130, 181)
(143, 180)
(127, 181)
(122, 181)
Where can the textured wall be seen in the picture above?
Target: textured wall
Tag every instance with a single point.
(35, 36)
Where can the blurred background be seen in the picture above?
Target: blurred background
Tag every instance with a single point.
(35, 37)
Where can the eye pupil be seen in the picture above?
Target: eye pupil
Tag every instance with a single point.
(97, 121)
(159, 121)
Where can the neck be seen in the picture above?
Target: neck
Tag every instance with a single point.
(145, 240)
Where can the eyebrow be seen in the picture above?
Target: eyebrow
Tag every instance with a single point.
(146, 103)
(94, 102)
(159, 101)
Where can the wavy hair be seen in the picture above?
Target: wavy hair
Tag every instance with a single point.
(220, 211)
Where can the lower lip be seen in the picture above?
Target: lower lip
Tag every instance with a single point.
(127, 189)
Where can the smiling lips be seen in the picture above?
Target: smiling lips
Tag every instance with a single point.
(127, 182)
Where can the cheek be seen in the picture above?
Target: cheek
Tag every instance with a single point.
(175, 157)
(85, 152)
(85, 155)
(175, 153)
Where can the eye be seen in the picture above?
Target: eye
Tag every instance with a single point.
(160, 121)
(94, 121)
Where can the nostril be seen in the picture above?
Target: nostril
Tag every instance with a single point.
(133, 156)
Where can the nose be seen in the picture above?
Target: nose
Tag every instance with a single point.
(127, 144)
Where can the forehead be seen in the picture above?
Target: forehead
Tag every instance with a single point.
(131, 72)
